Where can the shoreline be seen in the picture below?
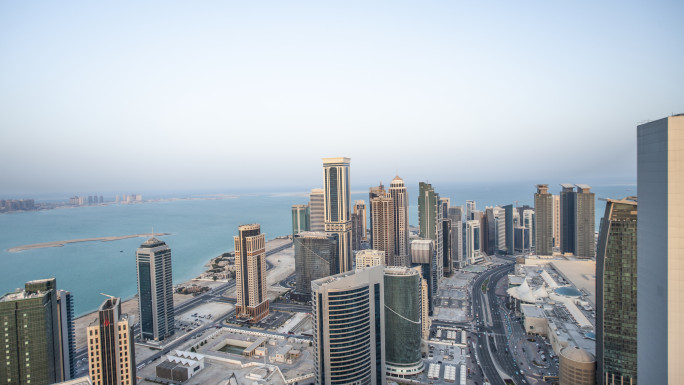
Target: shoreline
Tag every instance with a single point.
(43, 245)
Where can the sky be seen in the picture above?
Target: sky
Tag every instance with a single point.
(123, 96)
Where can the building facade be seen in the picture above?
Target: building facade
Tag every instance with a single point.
(382, 214)
(473, 240)
(250, 274)
(349, 328)
(543, 208)
(399, 195)
(155, 290)
(369, 258)
(300, 219)
(338, 207)
(315, 257)
(556, 221)
(317, 210)
(616, 294)
(568, 212)
(455, 214)
(111, 346)
(586, 222)
(660, 261)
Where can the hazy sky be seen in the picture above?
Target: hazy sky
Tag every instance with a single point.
(233, 94)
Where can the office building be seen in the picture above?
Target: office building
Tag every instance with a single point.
(616, 294)
(455, 214)
(315, 257)
(399, 195)
(473, 241)
(358, 224)
(65, 317)
(470, 208)
(300, 219)
(430, 216)
(338, 207)
(32, 344)
(500, 229)
(349, 328)
(509, 223)
(382, 214)
(369, 258)
(660, 261)
(556, 221)
(374, 192)
(317, 210)
(356, 232)
(402, 321)
(360, 210)
(447, 248)
(155, 290)
(543, 207)
(111, 346)
(577, 220)
(423, 254)
(250, 274)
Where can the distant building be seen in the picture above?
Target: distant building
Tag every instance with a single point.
(577, 366)
(423, 254)
(616, 294)
(111, 346)
(509, 229)
(400, 200)
(180, 366)
(471, 206)
(402, 321)
(382, 214)
(369, 258)
(556, 221)
(473, 241)
(250, 273)
(577, 221)
(360, 210)
(374, 192)
(317, 210)
(357, 295)
(430, 216)
(315, 257)
(338, 206)
(660, 261)
(65, 317)
(155, 290)
(34, 346)
(447, 248)
(300, 219)
(456, 216)
(543, 207)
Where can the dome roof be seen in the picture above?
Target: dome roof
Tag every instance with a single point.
(577, 354)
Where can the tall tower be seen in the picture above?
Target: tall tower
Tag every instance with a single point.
(250, 273)
(473, 239)
(568, 212)
(338, 206)
(399, 195)
(358, 224)
(382, 214)
(456, 216)
(543, 208)
(315, 257)
(586, 222)
(155, 290)
(660, 262)
(111, 348)
(616, 294)
(31, 344)
(374, 192)
(556, 221)
(360, 210)
(510, 229)
(316, 210)
(470, 208)
(403, 321)
(65, 316)
(345, 351)
(300, 219)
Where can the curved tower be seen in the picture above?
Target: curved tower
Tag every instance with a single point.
(402, 321)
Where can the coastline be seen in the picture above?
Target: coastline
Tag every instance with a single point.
(62, 243)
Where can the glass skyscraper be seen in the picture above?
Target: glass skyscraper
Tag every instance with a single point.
(315, 257)
(403, 321)
(338, 207)
(155, 290)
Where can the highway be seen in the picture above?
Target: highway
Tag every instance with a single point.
(492, 347)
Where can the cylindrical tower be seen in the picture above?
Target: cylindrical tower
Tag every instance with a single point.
(402, 321)
(577, 367)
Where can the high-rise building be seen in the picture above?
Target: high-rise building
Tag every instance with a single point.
(556, 221)
(374, 192)
(250, 273)
(543, 207)
(430, 216)
(155, 290)
(382, 214)
(315, 257)
(455, 214)
(447, 248)
(509, 224)
(346, 351)
(65, 316)
(402, 321)
(356, 232)
(470, 208)
(338, 207)
(660, 262)
(317, 210)
(616, 294)
(577, 220)
(399, 195)
(360, 210)
(33, 348)
(300, 219)
(369, 258)
(528, 222)
(423, 254)
(500, 229)
(473, 240)
(111, 347)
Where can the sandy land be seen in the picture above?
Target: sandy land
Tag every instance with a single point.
(62, 243)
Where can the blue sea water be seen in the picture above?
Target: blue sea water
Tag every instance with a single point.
(200, 230)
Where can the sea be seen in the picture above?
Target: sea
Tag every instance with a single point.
(200, 228)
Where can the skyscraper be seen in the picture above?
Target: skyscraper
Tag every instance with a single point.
(111, 348)
(300, 219)
(471, 206)
(577, 220)
(317, 210)
(349, 352)
(315, 257)
(402, 321)
(250, 273)
(430, 216)
(65, 316)
(382, 214)
(32, 343)
(399, 195)
(473, 241)
(360, 210)
(616, 294)
(556, 221)
(543, 207)
(456, 216)
(660, 262)
(155, 290)
(338, 206)
(423, 254)
(510, 229)
(358, 224)
(568, 211)
(374, 192)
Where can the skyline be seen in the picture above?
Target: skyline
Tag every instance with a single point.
(138, 97)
